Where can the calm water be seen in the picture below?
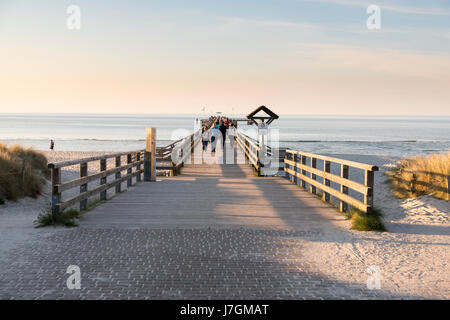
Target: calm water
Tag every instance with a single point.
(394, 136)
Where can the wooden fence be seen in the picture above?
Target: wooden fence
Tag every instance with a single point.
(300, 173)
(135, 160)
(414, 183)
(137, 163)
(253, 150)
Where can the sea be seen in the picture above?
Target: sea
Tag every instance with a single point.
(395, 136)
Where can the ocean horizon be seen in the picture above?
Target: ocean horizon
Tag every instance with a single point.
(397, 136)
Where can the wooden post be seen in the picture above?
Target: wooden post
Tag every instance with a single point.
(326, 168)
(247, 148)
(312, 188)
(343, 206)
(138, 167)
(56, 195)
(295, 178)
(83, 187)
(413, 184)
(150, 155)
(369, 181)
(129, 171)
(258, 163)
(448, 187)
(118, 175)
(103, 180)
(303, 171)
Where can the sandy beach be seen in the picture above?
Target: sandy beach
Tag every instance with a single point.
(413, 256)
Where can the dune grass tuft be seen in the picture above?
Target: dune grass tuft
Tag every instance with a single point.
(362, 221)
(67, 218)
(22, 172)
(418, 176)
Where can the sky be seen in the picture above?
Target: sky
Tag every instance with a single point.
(294, 56)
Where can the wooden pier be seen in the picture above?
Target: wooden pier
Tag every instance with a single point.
(214, 195)
(224, 191)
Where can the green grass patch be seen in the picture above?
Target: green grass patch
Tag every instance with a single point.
(67, 218)
(362, 221)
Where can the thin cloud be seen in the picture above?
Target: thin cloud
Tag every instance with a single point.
(390, 7)
(385, 61)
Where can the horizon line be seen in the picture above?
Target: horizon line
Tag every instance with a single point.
(223, 113)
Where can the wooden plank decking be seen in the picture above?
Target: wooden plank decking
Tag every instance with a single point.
(213, 195)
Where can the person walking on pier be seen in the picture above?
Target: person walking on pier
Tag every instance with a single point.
(214, 137)
(206, 135)
(223, 130)
(231, 132)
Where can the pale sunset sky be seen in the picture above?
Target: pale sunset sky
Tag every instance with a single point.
(295, 56)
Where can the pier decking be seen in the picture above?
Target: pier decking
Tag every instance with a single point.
(213, 232)
(208, 195)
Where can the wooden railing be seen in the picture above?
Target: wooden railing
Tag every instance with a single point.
(182, 148)
(251, 149)
(135, 160)
(302, 174)
(137, 163)
(414, 183)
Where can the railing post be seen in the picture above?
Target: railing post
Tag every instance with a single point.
(448, 187)
(247, 149)
(303, 171)
(312, 188)
(343, 206)
(258, 163)
(295, 178)
(118, 175)
(56, 195)
(138, 167)
(413, 184)
(83, 187)
(129, 171)
(326, 168)
(150, 155)
(103, 179)
(369, 182)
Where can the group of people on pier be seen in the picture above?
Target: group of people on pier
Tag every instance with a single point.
(221, 128)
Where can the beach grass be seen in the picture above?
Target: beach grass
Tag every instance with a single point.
(66, 218)
(362, 221)
(418, 176)
(22, 172)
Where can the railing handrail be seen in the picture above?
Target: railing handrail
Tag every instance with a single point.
(308, 175)
(349, 163)
(427, 172)
(89, 159)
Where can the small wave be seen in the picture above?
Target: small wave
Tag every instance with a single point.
(368, 141)
(94, 139)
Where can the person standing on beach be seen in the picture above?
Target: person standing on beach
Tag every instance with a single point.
(52, 144)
